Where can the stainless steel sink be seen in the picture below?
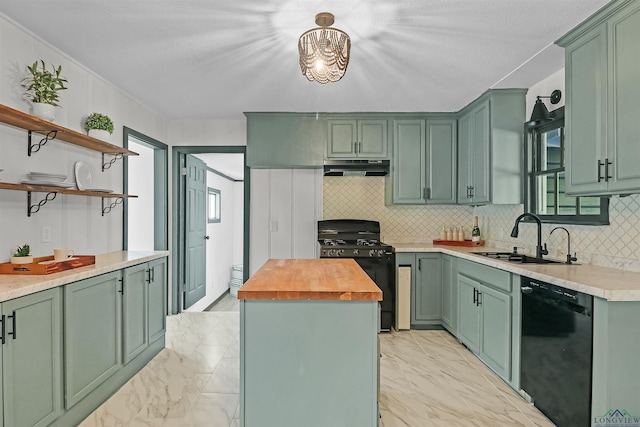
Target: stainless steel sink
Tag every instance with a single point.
(517, 258)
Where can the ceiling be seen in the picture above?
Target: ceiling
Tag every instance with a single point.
(214, 59)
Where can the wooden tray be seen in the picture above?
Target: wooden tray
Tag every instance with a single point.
(458, 242)
(46, 265)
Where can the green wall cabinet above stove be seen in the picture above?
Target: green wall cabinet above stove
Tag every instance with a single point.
(603, 102)
(285, 140)
(357, 138)
(490, 135)
(424, 162)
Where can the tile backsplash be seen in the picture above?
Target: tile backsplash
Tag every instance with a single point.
(616, 245)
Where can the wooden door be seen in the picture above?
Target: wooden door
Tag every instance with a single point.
(341, 138)
(409, 161)
(157, 299)
(468, 313)
(495, 347)
(372, 139)
(481, 155)
(427, 303)
(464, 158)
(196, 231)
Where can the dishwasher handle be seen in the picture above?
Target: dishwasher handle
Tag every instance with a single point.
(526, 289)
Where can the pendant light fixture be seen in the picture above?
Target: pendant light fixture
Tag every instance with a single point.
(540, 113)
(324, 51)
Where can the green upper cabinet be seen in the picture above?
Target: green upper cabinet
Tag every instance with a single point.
(424, 162)
(603, 102)
(357, 138)
(285, 140)
(32, 359)
(490, 134)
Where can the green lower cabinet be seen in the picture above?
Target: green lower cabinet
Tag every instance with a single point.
(134, 311)
(32, 359)
(93, 334)
(468, 313)
(449, 294)
(426, 294)
(157, 300)
(484, 324)
(495, 334)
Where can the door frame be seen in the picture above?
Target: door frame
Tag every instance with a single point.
(160, 189)
(178, 183)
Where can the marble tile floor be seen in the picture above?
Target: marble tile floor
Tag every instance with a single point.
(427, 379)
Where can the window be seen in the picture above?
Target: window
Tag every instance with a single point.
(213, 205)
(545, 179)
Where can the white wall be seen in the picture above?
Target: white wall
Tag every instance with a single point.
(141, 209)
(222, 242)
(286, 205)
(238, 222)
(76, 221)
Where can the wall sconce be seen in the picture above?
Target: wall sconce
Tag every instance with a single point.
(540, 113)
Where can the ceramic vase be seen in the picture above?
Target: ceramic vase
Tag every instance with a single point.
(21, 260)
(44, 111)
(99, 134)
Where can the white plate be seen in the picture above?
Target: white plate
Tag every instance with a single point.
(41, 176)
(99, 190)
(50, 183)
(84, 175)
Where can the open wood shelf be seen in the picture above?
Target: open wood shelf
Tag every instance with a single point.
(47, 189)
(31, 123)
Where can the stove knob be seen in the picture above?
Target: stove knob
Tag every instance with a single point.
(380, 252)
(339, 252)
(372, 253)
(356, 251)
(332, 252)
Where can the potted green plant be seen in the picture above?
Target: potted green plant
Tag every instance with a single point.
(98, 126)
(22, 255)
(42, 88)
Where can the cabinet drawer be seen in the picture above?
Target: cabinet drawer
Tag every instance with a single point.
(489, 276)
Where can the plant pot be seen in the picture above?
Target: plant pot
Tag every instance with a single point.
(44, 111)
(99, 134)
(21, 260)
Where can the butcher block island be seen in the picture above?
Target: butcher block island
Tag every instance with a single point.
(309, 352)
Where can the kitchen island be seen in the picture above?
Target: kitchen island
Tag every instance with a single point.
(308, 345)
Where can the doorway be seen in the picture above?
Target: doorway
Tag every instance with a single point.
(231, 191)
(145, 217)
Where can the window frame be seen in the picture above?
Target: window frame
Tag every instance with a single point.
(532, 170)
(214, 217)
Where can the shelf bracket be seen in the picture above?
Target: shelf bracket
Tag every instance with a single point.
(31, 209)
(35, 147)
(111, 205)
(106, 165)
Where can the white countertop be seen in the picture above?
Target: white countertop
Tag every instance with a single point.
(15, 285)
(603, 282)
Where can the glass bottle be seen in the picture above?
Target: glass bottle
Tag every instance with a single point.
(475, 233)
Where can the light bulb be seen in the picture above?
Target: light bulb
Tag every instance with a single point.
(319, 65)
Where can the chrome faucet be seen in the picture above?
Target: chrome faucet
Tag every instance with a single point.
(569, 257)
(539, 249)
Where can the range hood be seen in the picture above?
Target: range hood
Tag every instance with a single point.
(356, 167)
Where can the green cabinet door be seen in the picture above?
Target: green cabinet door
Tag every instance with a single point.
(157, 297)
(92, 334)
(427, 299)
(409, 166)
(474, 158)
(32, 359)
(495, 345)
(441, 158)
(357, 138)
(585, 113)
(603, 103)
(449, 294)
(285, 140)
(468, 313)
(624, 82)
(134, 311)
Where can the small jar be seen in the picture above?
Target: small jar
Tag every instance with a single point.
(448, 234)
(443, 233)
(461, 234)
(454, 233)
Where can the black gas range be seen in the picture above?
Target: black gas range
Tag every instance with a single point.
(360, 239)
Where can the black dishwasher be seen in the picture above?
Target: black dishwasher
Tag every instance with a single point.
(556, 351)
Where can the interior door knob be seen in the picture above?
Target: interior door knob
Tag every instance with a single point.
(206, 237)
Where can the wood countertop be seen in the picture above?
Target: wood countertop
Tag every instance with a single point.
(310, 279)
